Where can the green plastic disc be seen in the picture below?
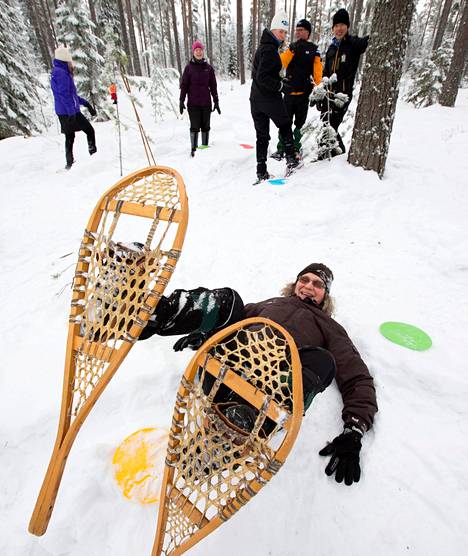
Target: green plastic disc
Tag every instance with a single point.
(406, 335)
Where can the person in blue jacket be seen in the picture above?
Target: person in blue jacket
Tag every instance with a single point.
(67, 104)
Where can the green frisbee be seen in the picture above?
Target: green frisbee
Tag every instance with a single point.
(406, 335)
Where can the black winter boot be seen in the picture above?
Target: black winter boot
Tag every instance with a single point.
(262, 173)
(194, 142)
(205, 136)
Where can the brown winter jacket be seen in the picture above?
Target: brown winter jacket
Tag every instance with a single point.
(310, 326)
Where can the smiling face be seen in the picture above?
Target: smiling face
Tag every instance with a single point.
(310, 286)
(340, 30)
(198, 53)
(280, 34)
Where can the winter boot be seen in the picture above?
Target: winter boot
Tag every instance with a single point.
(277, 155)
(194, 142)
(240, 415)
(205, 135)
(292, 162)
(262, 173)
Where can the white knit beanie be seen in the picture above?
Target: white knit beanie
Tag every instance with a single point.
(280, 21)
(62, 54)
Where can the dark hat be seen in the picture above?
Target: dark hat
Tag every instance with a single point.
(305, 24)
(320, 270)
(341, 16)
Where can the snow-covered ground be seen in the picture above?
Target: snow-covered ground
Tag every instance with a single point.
(399, 251)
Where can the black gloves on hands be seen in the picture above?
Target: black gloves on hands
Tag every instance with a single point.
(344, 451)
(216, 107)
(286, 87)
(181, 107)
(92, 110)
(192, 341)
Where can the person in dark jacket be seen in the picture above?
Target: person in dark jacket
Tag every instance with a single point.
(342, 58)
(303, 70)
(198, 83)
(266, 101)
(325, 349)
(67, 104)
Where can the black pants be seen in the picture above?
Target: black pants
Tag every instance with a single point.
(336, 117)
(262, 112)
(199, 118)
(70, 126)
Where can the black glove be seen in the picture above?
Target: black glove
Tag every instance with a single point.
(181, 107)
(286, 87)
(216, 107)
(192, 341)
(344, 451)
(92, 110)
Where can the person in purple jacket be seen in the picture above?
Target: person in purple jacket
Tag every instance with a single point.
(199, 84)
(67, 104)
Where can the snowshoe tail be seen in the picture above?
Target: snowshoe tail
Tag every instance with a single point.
(116, 287)
(233, 427)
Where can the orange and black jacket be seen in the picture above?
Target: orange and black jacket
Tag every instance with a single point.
(302, 62)
(342, 58)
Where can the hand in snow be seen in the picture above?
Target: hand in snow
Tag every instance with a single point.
(192, 341)
(216, 107)
(344, 451)
(181, 107)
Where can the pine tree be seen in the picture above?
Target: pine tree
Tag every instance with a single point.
(428, 75)
(76, 30)
(20, 90)
(161, 96)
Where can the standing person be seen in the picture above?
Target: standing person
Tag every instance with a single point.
(342, 58)
(199, 84)
(303, 70)
(67, 104)
(266, 101)
(305, 310)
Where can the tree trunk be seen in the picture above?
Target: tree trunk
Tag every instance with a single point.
(144, 40)
(190, 21)
(442, 24)
(171, 43)
(123, 27)
(358, 5)
(272, 9)
(254, 27)
(210, 33)
(457, 65)
(185, 30)
(240, 42)
(176, 38)
(380, 85)
(163, 33)
(43, 48)
(132, 38)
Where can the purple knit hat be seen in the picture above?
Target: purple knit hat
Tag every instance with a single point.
(197, 44)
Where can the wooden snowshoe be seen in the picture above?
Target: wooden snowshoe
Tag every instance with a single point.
(214, 465)
(116, 287)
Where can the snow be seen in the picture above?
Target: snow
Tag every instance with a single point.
(399, 250)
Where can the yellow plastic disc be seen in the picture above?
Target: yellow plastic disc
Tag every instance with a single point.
(139, 464)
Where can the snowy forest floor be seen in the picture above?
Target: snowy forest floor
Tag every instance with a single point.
(399, 250)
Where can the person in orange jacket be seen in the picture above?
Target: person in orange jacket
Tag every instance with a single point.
(303, 70)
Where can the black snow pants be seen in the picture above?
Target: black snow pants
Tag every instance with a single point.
(264, 110)
(199, 118)
(71, 124)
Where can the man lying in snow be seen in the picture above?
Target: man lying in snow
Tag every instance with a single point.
(325, 349)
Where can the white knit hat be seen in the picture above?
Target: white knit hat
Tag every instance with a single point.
(280, 21)
(62, 54)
